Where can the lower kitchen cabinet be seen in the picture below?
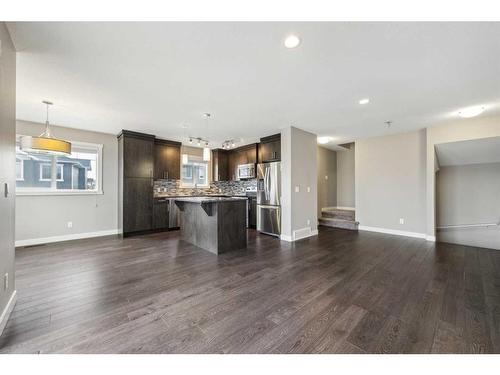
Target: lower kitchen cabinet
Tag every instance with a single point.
(161, 213)
(137, 204)
(252, 212)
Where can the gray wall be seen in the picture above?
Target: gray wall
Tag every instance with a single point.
(7, 164)
(41, 216)
(458, 130)
(327, 178)
(346, 194)
(299, 169)
(469, 194)
(390, 182)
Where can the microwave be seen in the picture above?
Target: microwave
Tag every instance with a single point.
(246, 171)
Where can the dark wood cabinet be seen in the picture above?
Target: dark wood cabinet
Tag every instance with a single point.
(167, 159)
(270, 148)
(138, 159)
(252, 212)
(161, 213)
(135, 181)
(137, 204)
(242, 155)
(232, 165)
(220, 165)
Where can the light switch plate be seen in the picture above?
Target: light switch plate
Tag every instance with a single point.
(401, 221)
(297, 189)
(308, 189)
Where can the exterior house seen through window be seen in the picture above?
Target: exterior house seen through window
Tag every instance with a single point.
(194, 173)
(79, 172)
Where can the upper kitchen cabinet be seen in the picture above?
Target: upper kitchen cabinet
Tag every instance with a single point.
(220, 165)
(167, 159)
(138, 159)
(242, 155)
(270, 148)
(251, 153)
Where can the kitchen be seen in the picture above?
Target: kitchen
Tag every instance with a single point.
(157, 178)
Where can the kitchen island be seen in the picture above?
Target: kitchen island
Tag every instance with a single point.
(216, 224)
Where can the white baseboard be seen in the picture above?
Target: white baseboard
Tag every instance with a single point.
(310, 233)
(66, 237)
(393, 231)
(6, 312)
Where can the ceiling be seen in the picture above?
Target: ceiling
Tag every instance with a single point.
(161, 77)
(477, 151)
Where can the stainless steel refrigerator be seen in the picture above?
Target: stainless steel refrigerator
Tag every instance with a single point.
(269, 198)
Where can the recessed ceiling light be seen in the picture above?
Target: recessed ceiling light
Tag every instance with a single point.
(292, 41)
(324, 140)
(471, 112)
(364, 101)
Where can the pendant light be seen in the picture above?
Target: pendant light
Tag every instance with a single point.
(45, 142)
(206, 149)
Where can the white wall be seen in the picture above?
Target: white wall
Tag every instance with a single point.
(327, 178)
(390, 182)
(469, 194)
(346, 193)
(7, 172)
(459, 130)
(43, 216)
(299, 169)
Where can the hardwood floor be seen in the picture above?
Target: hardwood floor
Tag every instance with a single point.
(339, 292)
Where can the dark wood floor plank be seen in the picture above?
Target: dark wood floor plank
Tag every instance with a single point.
(338, 292)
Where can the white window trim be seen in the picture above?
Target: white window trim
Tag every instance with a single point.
(192, 186)
(98, 191)
(40, 178)
(22, 171)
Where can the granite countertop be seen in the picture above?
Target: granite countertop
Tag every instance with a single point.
(163, 195)
(207, 199)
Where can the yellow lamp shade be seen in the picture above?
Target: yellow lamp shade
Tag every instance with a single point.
(45, 145)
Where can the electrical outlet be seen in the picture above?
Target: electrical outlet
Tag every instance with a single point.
(308, 222)
(308, 189)
(70, 224)
(6, 281)
(297, 189)
(326, 177)
(401, 220)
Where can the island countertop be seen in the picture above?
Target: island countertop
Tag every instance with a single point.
(206, 199)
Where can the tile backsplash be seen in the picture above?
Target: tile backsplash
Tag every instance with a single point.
(172, 187)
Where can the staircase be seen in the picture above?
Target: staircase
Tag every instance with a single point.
(338, 218)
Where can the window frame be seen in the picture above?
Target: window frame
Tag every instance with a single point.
(98, 148)
(40, 178)
(22, 171)
(195, 160)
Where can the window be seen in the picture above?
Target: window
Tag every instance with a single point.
(194, 173)
(78, 173)
(19, 170)
(46, 172)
